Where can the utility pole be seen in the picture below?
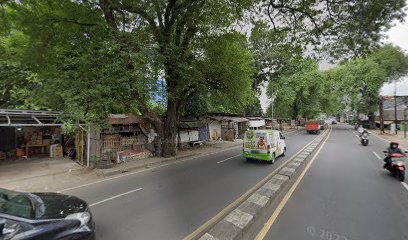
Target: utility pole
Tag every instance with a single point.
(395, 106)
(405, 122)
(381, 111)
(272, 101)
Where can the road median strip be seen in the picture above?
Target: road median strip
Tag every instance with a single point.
(234, 221)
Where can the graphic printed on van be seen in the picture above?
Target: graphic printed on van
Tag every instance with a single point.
(263, 144)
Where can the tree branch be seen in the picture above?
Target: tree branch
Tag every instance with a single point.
(282, 8)
(107, 10)
(159, 13)
(74, 21)
(144, 15)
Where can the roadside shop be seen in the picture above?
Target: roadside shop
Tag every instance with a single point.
(27, 134)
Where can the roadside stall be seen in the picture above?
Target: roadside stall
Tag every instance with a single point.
(127, 137)
(26, 134)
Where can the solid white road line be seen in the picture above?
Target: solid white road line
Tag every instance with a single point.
(117, 196)
(376, 154)
(229, 158)
(405, 185)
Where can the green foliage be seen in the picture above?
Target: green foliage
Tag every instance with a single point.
(274, 56)
(222, 76)
(392, 59)
(16, 86)
(307, 92)
(341, 28)
(298, 93)
(254, 109)
(359, 81)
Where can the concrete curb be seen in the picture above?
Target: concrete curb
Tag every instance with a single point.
(235, 224)
(124, 169)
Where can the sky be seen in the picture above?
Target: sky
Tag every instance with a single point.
(397, 35)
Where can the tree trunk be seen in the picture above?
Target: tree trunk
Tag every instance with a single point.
(371, 120)
(169, 145)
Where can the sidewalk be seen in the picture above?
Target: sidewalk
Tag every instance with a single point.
(403, 142)
(208, 148)
(40, 176)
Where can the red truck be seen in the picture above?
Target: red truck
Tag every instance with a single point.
(313, 126)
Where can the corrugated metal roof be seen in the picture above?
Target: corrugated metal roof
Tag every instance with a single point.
(231, 119)
(124, 119)
(192, 124)
(21, 118)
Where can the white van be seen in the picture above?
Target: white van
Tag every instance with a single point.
(265, 145)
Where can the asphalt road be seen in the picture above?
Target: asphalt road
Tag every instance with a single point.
(345, 195)
(171, 201)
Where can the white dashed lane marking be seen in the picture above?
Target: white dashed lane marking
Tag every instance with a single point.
(114, 197)
(229, 158)
(376, 154)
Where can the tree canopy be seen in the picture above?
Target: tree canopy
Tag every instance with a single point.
(306, 91)
(108, 56)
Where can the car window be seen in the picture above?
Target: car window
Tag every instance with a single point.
(15, 204)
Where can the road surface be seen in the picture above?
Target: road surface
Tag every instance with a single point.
(345, 195)
(170, 202)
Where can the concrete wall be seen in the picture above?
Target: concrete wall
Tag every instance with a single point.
(215, 130)
(189, 136)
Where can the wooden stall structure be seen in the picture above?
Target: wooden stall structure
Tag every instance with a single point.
(126, 133)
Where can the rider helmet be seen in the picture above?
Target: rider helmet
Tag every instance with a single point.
(394, 145)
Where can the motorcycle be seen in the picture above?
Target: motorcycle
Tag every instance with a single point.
(364, 138)
(397, 165)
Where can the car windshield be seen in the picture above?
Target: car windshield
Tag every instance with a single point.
(15, 204)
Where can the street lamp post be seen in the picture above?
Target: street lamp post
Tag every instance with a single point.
(272, 102)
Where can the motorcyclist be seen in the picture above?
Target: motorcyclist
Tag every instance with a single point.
(392, 149)
(364, 132)
(360, 130)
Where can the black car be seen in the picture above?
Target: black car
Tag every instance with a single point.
(334, 122)
(44, 216)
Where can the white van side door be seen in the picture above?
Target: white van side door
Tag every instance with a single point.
(281, 142)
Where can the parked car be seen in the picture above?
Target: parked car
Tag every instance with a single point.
(50, 216)
(334, 122)
(264, 145)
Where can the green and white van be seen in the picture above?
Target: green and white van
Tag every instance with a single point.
(265, 145)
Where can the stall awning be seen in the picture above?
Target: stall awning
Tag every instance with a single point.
(386, 122)
(124, 119)
(229, 119)
(192, 124)
(22, 118)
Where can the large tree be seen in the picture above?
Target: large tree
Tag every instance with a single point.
(115, 51)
